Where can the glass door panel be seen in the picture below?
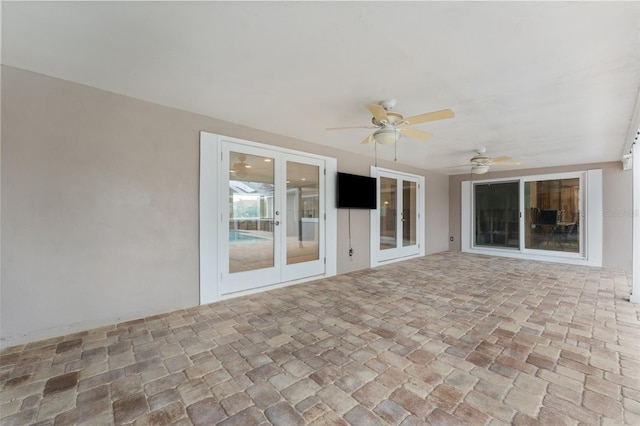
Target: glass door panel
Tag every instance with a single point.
(409, 208)
(251, 212)
(497, 215)
(303, 213)
(388, 213)
(304, 232)
(552, 215)
(249, 240)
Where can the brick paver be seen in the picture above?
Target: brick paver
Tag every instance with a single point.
(450, 338)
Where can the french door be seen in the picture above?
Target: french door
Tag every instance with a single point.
(272, 208)
(397, 218)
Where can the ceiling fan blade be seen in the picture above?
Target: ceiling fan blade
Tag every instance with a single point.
(500, 159)
(368, 139)
(351, 127)
(429, 116)
(378, 112)
(506, 163)
(459, 165)
(415, 133)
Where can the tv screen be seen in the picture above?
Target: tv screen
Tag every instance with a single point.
(549, 217)
(356, 192)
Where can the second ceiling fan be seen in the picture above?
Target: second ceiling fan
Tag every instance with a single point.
(480, 163)
(391, 125)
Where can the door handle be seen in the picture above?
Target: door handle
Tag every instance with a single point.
(277, 222)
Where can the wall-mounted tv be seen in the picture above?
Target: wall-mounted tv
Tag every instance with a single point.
(548, 217)
(356, 192)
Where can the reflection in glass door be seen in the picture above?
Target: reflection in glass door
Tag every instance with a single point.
(304, 228)
(250, 241)
(251, 212)
(409, 213)
(552, 215)
(497, 214)
(303, 210)
(388, 213)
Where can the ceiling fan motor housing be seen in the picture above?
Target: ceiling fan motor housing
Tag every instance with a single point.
(480, 159)
(395, 119)
(388, 104)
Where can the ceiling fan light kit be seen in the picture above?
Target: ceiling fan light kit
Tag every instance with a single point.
(387, 135)
(480, 169)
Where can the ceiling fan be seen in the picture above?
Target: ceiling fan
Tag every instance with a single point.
(391, 125)
(480, 163)
(240, 169)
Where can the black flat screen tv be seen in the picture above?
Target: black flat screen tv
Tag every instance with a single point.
(548, 217)
(356, 192)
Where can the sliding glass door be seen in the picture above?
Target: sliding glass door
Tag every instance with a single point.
(535, 215)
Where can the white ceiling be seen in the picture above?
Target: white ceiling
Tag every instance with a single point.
(547, 83)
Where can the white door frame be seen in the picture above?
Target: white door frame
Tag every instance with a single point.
(211, 217)
(635, 250)
(379, 257)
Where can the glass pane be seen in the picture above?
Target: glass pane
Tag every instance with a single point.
(497, 215)
(250, 212)
(409, 203)
(303, 212)
(388, 208)
(552, 216)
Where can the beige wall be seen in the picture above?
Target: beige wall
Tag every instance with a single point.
(435, 221)
(616, 201)
(100, 206)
